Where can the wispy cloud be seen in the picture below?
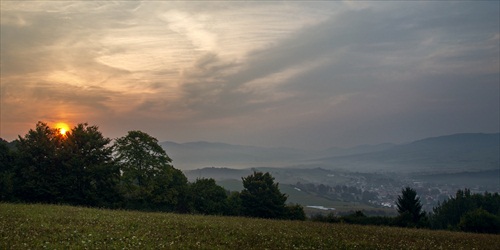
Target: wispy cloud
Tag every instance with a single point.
(253, 72)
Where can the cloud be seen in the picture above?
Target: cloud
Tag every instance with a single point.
(194, 27)
(376, 67)
(309, 74)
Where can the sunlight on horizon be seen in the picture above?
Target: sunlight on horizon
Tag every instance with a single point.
(62, 127)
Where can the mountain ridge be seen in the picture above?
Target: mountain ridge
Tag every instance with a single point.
(465, 150)
(477, 151)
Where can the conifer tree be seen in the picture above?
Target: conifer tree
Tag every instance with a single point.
(409, 208)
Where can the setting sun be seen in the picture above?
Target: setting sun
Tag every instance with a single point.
(63, 127)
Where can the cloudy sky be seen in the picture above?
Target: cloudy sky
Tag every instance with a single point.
(288, 73)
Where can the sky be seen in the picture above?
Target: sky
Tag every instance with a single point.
(302, 74)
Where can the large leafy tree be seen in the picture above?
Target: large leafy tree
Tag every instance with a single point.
(409, 207)
(92, 175)
(39, 174)
(261, 197)
(207, 197)
(149, 181)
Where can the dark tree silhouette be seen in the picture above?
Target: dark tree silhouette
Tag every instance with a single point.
(40, 175)
(409, 208)
(7, 159)
(74, 168)
(458, 212)
(261, 197)
(207, 197)
(92, 175)
(149, 181)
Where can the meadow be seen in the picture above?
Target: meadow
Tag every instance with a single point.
(66, 227)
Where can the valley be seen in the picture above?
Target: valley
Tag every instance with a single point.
(366, 177)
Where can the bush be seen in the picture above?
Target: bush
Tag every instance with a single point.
(294, 212)
(357, 217)
(360, 218)
(480, 221)
(330, 218)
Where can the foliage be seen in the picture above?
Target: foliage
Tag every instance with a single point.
(207, 197)
(449, 214)
(64, 227)
(329, 218)
(40, 173)
(6, 172)
(148, 179)
(234, 204)
(80, 167)
(357, 217)
(294, 212)
(75, 168)
(409, 208)
(92, 175)
(261, 197)
(480, 221)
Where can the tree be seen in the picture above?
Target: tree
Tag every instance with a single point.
(6, 172)
(450, 214)
(92, 174)
(409, 208)
(261, 197)
(447, 214)
(480, 221)
(207, 197)
(149, 181)
(39, 174)
(295, 212)
(234, 204)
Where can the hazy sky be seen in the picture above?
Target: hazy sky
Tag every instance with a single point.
(287, 73)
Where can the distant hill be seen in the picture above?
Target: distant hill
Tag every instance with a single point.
(193, 155)
(444, 154)
(360, 149)
(452, 153)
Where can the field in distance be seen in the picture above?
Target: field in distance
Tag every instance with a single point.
(308, 201)
(63, 227)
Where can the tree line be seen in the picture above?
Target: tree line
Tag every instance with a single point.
(84, 168)
(478, 213)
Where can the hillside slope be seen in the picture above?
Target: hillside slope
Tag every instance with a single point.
(453, 153)
(194, 155)
(64, 227)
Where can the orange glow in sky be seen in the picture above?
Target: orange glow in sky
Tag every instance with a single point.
(300, 74)
(63, 127)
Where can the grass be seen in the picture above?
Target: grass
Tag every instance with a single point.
(65, 227)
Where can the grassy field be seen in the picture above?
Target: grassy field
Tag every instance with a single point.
(305, 199)
(65, 227)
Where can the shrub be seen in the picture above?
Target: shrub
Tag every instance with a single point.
(480, 221)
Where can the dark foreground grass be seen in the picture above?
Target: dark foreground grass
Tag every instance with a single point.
(65, 227)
